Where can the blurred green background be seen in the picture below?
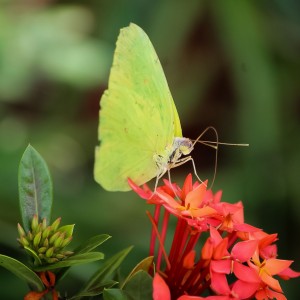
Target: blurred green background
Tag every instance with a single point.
(234, 65)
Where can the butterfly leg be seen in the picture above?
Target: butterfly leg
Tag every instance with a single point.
(182, 161)
(159, 176)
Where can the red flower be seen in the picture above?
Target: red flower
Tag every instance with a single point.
(267, 268)
(48, 279)
(190, 204)
(228, 247)
(247, 280)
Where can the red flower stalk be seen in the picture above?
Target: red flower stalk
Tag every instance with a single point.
(213, 250)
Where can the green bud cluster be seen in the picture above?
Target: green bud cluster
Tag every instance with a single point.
(46, 243)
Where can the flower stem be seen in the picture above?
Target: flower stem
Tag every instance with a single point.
(153, 233)
(163, 237)
(161, 244)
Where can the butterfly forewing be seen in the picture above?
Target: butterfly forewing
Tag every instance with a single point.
(138, 118)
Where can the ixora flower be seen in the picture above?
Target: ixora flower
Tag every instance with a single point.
(214, 254)
(48, 279)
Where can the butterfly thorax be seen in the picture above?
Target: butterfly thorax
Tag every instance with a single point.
(172, 153)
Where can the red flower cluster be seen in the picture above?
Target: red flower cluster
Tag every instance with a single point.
(214, 254)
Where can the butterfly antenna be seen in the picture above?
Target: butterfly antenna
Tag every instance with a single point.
(214, 145)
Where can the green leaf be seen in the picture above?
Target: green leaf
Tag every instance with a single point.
(139, 287)
(114, 294)
(92, 243)
(107, 269)
(68, 229)
(22, 271)
(85, 247)
(35, 187)
(96, 290)
(144, 265)
(76, 259)
(33, 254)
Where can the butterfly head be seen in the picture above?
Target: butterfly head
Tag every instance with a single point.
(183, 145)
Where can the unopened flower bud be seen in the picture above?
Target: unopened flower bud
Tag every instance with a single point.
(66, 241)
(44, 224)
(49, 252)
(34, 223)
(30, 236)
(55, 224)
(59, 240)
(54, 237)
(37, 239)
(21, 230)
(46, 243)
(46, 232)
(42, 249)
(23, 241)
(207, 249)
(60, 256)
(52, 260)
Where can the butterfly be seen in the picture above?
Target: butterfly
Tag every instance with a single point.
(139, 128)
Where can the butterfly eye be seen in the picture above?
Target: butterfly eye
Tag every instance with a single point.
(186, 146)
(185, 150)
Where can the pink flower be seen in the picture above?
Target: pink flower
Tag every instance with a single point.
(211, 246)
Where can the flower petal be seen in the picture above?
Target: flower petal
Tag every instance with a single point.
(200, 212)
(168, 200)
(275, 266)
(288, 273)
(243, 251)
(243, 289)
(221, 266)
(215, 235)
(144, 194)
(187, 186)
(274, 295)
(194, 198)
(219, 283)
(245, 273)
(244, 227)
(221, 249)
(187, 297)
(160, 288)
(35, 295)
(266, 293)
(271, 282)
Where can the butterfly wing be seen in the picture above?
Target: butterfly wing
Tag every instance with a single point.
(138, 117)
